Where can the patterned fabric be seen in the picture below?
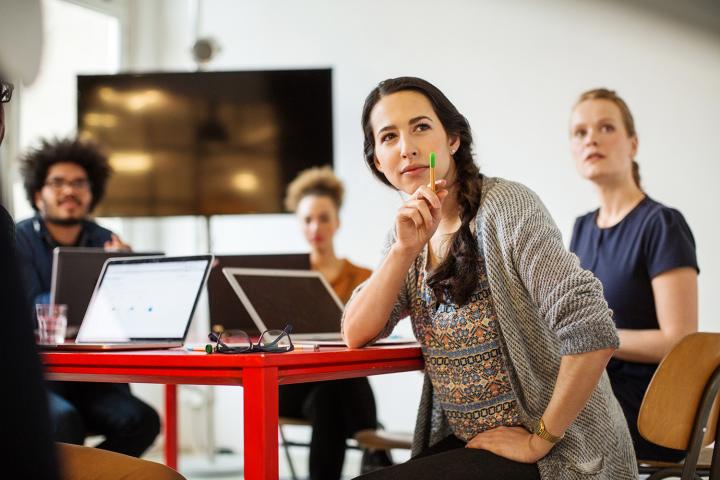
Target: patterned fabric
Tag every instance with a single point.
(463, 358)
(547, 306)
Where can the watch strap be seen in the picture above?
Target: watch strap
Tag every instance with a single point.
(542, 432)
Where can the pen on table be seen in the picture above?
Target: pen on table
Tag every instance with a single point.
(432, 171)
(199, 348)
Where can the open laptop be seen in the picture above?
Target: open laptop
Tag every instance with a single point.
(226, 310)
(75, 272)
(142, 303)
(304, 299)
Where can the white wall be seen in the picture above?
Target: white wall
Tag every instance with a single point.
(514, 68)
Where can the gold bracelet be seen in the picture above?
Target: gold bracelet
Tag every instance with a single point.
(542, 432)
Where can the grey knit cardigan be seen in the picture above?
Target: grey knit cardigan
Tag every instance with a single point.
(547, 306)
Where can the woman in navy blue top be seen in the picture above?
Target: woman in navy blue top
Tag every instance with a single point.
(642, 251)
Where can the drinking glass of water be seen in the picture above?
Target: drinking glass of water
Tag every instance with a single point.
(52, 323)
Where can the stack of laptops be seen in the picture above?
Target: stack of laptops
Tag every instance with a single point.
(142, 303)
(226, 310)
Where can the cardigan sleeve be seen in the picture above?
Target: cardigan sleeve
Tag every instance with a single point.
(401, 309)
(568, 297)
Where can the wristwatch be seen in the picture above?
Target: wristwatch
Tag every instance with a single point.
(542, 432)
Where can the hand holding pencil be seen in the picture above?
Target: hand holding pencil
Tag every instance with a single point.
(418, 218)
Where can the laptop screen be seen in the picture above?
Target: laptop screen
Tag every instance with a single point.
(74, 276)
(144, 299)
(279, 297)
(225, 307)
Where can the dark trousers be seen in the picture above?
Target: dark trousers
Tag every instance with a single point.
(109, 409)
(450, 460)
(337, 410)
(629, 390)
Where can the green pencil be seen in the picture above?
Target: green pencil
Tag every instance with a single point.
(432, 171)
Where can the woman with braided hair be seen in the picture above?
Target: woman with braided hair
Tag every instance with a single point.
(515, 335)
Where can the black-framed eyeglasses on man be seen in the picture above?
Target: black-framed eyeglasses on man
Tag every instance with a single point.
(6, 91)
(238, 341)
(58, 184)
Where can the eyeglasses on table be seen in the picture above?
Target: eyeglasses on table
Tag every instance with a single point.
(238, 341)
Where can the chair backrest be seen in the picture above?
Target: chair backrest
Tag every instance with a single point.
(667, 414)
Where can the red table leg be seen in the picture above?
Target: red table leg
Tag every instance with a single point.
(260, 396)
(171, 430)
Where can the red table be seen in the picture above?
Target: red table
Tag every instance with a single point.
(259, 374)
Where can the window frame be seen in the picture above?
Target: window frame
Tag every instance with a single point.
(10, 148)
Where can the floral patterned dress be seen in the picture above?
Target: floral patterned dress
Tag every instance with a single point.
(464, 359)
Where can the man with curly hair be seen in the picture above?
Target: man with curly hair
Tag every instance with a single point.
(64, 180)
(31, 453)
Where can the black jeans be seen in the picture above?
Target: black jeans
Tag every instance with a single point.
(337, 410)
(78, 408)
(450, 460)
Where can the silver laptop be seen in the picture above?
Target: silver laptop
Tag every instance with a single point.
(142, 303)
(75, 272)
(226, 311)
(302, 298)
(274, 298)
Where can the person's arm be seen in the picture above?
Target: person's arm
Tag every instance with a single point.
(571, 301)
(368, 312)
(676, 305)
(576, 380)
(25, 405)
(116, 245)
(370, 308)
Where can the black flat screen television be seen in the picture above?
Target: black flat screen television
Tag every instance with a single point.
(206, 143)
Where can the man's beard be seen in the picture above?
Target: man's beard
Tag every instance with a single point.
(72, 221)
(64, 222)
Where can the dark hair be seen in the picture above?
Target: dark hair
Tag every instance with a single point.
(35, 164)
(458, 273)
(627, 118)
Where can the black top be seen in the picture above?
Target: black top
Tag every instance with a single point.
(650, 240)
(35, 248)
(25, 419)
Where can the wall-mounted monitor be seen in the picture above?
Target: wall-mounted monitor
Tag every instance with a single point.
(206, 143)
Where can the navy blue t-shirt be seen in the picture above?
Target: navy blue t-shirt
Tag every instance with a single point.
(650, 240)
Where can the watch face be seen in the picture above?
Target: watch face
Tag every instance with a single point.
(541, 432)
(538, 427)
